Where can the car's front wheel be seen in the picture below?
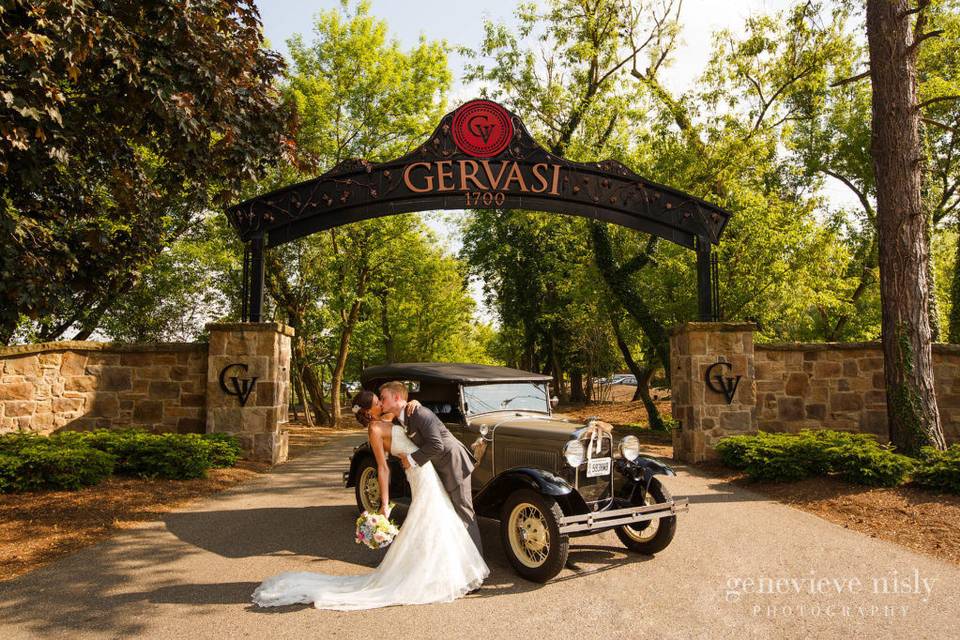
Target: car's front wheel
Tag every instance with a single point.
(367, 489)
(530, 533)
(651, 536)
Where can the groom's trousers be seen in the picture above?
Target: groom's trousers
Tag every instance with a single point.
(462, 499)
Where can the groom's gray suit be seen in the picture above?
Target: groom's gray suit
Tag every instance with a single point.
(451, 459)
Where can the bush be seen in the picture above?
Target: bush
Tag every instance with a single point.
(36, 464)
(877, 467)
(223, 449)
(782, 457)
(939, 470)
(72, 459)
(141, 454)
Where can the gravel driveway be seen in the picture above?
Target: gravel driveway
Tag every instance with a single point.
(741, 566)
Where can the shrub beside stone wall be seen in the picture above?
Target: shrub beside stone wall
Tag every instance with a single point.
(840, 386)
(80, 385)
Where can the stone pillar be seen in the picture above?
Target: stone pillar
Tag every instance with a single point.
(702, 407)
(248, 382)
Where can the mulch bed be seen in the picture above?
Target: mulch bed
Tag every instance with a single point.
(626, 417)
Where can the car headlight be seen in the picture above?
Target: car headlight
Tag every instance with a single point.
(574, 453)
(630, 448)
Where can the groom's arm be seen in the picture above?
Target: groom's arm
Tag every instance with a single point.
(431, 441)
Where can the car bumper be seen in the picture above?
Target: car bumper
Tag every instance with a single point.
(601, 520)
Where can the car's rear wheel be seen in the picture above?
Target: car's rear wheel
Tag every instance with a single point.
(530, 533)
(652, 536)
(367, 489)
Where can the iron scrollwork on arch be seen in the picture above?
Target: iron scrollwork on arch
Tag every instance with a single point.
(451, 171)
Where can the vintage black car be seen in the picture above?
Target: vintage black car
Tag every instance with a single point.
(544, 478)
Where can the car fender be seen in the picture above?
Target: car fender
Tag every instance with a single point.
(488, 501)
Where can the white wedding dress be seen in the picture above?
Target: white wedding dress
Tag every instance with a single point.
(432, 559)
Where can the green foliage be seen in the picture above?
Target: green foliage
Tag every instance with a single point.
(30, 463)
(71, 459)
(149, 455)
(939, 470)
(781, 457)
(223, 449)
(191, 283)
(118, 123)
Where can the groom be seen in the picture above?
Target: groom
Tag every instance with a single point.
(452, 460)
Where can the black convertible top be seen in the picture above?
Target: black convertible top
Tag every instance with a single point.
(446, 372)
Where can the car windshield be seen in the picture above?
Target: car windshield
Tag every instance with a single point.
(523, 396)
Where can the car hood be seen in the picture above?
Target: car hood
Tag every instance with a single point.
(529, 424)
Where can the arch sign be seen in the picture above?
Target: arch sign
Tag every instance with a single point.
(480, 156)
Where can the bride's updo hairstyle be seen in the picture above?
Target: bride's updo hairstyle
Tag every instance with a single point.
(362, 404)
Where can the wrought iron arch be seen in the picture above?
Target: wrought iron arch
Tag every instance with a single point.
(480, 156)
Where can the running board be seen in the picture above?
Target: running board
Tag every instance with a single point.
(617, 517)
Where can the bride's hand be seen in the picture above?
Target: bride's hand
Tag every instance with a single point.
(412, 407)
(385, 510)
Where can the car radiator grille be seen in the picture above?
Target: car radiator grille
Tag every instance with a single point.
(597, 488)
(530, 458)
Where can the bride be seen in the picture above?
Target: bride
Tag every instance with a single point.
(432, 559)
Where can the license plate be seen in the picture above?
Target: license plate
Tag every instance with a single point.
(598, 467)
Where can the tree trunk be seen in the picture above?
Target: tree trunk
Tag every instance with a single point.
(618, 281)
(291, 304)
(643, 375)
(576, 387)
(389, 346)
(643, 389)
(307, 409)
(558, 384)
(311, 389)
(902, 228)
(344, 348)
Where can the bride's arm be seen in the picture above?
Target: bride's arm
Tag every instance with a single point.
(375, 436)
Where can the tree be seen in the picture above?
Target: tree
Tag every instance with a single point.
(895, 31)
(590, 88)
(192, 282)
(358, 94)
(120, 122)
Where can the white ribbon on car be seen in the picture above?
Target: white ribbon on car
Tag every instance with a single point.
(597, 429)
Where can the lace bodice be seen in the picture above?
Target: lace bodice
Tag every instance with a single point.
(400, 444)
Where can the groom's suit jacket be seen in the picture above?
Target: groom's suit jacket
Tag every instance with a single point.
(452, 460)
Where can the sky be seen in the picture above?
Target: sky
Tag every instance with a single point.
(460, 22)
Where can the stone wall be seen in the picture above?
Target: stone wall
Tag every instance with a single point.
(840, 386)
(81, 385)
(785, 387)
(168, 387)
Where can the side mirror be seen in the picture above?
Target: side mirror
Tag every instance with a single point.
(554, 401)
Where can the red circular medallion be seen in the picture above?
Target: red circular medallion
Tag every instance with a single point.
(482, 128)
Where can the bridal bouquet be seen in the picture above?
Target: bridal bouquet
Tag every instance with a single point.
(375, 530)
